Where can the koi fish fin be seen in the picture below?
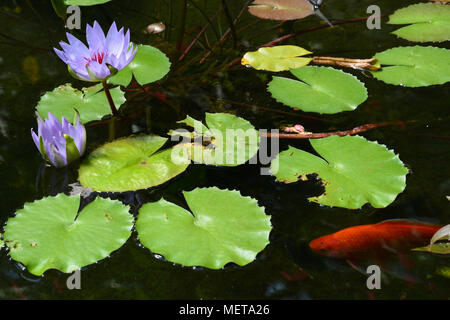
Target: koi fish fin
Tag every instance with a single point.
(399, 273)
(356, 267)
(321, 16)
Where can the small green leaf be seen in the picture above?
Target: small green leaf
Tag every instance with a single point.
(428, 22)
(90, 103)
(279, 58)
(47, 234)
(131, 163)
(223, 227)
(438, 247)
(227, 140)
(149, 65)
(321, 89)
(414, 66)
(353, 170)
(281, 9)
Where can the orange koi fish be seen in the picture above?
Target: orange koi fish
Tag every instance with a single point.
(375, 240)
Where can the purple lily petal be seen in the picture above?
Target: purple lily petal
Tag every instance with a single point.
(52, 132)
(91, 63)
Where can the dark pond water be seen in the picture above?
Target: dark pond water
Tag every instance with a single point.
(28, 68)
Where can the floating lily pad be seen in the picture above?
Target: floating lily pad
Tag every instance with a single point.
(90, 102)
(281, 9)
(414, 66)
(47, 234)
(227, 140)
(321, 89)
(223, 227)
(279, 58)
(353, 170)
(438, 247)
(427, 22)
(149, 65)
(131, 163)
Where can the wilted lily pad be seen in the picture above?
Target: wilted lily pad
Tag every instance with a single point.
(321, 89)
(353, 170)
(428, 22)
(281, 9)
(414, 66)
(226, 140)
(130, 164)
(47, 234)
(279, 58)
(91, 103)
(223, 227)
(149, 65)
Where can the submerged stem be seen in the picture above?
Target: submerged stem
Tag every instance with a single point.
(110, 100)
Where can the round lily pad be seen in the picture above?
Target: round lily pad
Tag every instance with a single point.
(321, 89)
(226, 140)
(414, 66)
(149, 65)
(281, 9)
(353, 170)
(427, 22)
(279, 58)
(48, 234)
(90, 103)
(130, 164)
(223, 227)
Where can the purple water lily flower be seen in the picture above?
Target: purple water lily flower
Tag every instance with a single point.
(60, 142)
(104, 57)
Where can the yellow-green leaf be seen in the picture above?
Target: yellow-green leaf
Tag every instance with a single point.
(279, 58)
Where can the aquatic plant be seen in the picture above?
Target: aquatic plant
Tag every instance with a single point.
(104, 57)
(60, 143)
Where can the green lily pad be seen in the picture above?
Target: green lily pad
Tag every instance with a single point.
(427, 22)
(321, 89)
(279, 58)
(149, 65)
(47, 234)
(223, 227)
(90, 102)
(414, 66)
(281, 9)
(227, 140)
(438, 247)
(131, 163)
(353, 170)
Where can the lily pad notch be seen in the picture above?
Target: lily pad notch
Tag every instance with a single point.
(48, 233)
(231, 228)
(353, 170)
